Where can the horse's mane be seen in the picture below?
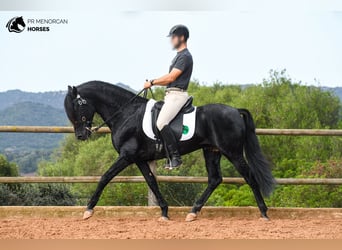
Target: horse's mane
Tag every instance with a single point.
(107, 91)
(101, 91)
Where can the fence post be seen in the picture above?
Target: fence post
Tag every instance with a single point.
(152, 200)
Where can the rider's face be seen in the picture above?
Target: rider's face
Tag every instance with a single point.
(176, 41)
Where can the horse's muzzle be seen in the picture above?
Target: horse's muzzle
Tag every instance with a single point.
(83, 135)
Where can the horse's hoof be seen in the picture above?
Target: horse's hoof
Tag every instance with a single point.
(191, 217)
(163, 218)
(264, 218)
(87, 214)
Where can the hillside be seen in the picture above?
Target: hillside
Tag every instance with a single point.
(29, 113)
(28, 149)
(11, 97)
(51, 98)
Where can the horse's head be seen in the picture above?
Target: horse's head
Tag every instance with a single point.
(20, 20)
(80, 112)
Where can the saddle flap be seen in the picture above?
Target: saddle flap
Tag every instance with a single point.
(183, 125)
(177, 123)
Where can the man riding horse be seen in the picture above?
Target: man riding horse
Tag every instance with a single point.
(220, 130)
(176, 95)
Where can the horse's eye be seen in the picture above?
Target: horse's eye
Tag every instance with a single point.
(83, 118)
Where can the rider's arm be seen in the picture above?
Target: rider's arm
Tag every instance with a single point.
(166, 79)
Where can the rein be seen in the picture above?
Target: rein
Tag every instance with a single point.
(94, 130)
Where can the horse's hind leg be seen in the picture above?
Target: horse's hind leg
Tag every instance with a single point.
(212, 162)
(243, 168)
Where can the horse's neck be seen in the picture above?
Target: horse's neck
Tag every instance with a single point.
(110, 110)
(107, 111)
(106, 108)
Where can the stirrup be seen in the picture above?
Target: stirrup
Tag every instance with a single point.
(168, 165)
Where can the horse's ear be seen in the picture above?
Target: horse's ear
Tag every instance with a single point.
(72, 91)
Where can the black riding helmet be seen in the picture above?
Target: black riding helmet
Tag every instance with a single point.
(179, 30)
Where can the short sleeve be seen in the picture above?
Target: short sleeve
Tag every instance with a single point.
(181, 63)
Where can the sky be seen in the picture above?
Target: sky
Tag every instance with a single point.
(229, 46)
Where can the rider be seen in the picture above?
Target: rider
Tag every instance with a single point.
(176, 95)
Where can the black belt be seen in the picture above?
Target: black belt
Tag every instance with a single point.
(175, 89)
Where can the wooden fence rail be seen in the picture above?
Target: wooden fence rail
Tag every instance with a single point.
(260, 131)
(169, 179)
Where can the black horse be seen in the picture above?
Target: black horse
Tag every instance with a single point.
(220, 130)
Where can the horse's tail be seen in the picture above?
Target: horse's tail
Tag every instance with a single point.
(260, 167)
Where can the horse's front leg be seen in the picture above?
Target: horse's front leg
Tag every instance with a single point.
(120, 164)
(152, 183)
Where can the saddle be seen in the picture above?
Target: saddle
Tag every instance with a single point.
(177, 123)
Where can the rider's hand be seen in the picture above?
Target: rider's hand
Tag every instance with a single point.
(147, 85)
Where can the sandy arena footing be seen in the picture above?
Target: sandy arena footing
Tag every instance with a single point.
(143, 223)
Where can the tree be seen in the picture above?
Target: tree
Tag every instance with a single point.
(7, 168)
(31, 194)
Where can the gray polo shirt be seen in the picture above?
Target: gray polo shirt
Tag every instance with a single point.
(182, 61)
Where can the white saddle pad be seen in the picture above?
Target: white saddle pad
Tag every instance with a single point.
(189, 122)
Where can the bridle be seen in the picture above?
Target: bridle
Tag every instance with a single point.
(81, 101)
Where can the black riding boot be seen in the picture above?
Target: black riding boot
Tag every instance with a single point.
(171, 146)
